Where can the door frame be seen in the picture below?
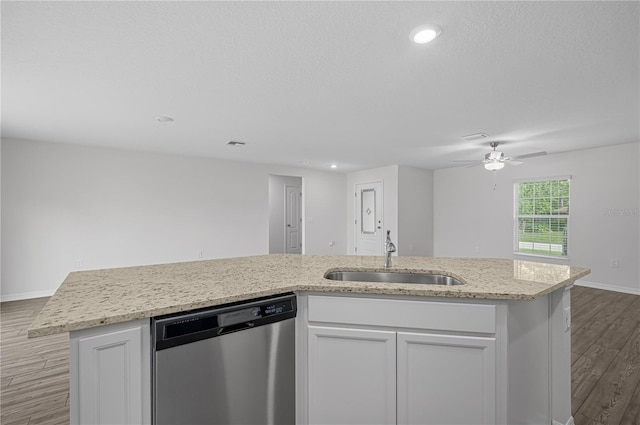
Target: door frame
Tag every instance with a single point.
(355, 217)
(277, 211)
(286, 209)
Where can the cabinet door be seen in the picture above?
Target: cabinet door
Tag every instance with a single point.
(445, 379)
(352, 376)
(110, 374)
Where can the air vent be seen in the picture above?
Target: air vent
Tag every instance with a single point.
(475, 136)
(235, 143)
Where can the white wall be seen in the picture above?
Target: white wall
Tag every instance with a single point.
(407, 203)
(0, 214)
(471, 219)
(277, 217)
(65, 205)
(415, 211)
(389, 178)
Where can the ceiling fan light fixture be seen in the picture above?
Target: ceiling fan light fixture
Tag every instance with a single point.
(494, 165)
(425, 33)
(495, 155)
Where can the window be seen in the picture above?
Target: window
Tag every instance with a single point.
(542, 217)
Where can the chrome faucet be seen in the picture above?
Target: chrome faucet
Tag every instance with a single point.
(389, 248)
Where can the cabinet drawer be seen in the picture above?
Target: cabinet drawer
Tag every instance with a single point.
(459, 317)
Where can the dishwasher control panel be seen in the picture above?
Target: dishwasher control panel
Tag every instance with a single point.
(182, 328)
(249, 314)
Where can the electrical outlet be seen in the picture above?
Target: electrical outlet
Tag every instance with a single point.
(615, 263)
(79, 263)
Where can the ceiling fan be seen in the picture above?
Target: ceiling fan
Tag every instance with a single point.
(495, 160)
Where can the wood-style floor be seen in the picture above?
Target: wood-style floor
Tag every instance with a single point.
(605, 357)
(34, 373)
(605, 363)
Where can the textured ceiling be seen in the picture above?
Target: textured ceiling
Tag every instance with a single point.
(322, 81)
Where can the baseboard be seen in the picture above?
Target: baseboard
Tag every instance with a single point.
(607, 287)
(26, 295)
(569, 422)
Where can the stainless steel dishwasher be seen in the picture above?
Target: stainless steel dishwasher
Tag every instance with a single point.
(233, 364)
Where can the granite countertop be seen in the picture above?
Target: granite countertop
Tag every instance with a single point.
(88, 299)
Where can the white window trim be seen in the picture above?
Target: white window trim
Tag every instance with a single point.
(563, 258)
(542, 179)
(516, 197)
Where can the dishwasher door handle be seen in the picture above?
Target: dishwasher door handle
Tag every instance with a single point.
(234, 328)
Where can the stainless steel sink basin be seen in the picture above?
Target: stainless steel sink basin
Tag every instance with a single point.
(391, 277)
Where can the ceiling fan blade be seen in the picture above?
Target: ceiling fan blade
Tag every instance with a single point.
(512, 162)
(465, 161)
(530, 155)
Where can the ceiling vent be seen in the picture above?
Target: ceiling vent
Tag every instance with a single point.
(235, 143)
(475, 136)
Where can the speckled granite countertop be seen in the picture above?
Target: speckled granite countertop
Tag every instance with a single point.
(88, 299)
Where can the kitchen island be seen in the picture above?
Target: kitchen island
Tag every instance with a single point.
(509, 318)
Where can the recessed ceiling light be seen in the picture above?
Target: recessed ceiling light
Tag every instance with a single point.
(334, 166)
(236, 143)
(425, 33)
(162, 118)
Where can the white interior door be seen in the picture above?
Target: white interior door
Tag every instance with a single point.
(368, 220)
(293, 220)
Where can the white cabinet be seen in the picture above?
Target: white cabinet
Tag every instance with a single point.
(378, 361)
(352, 376)
(110, 374)
(445, 379)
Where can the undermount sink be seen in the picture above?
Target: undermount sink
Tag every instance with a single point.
(392, 277)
